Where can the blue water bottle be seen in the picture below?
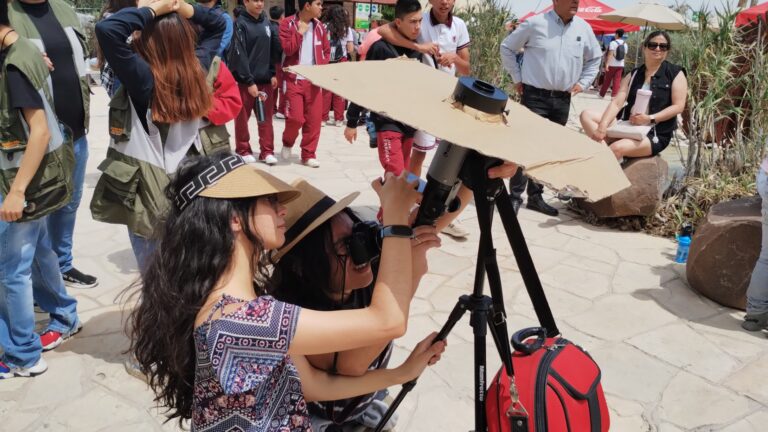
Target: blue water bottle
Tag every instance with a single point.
(684, 243)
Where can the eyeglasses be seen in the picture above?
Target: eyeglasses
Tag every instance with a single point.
(654, 45)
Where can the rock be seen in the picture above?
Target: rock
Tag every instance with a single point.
(724, 251)
(648, 177)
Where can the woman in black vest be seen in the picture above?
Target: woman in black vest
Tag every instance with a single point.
(669, 85)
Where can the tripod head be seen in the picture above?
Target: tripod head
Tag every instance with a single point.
(453, 164)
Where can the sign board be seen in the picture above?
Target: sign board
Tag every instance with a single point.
(363, 13)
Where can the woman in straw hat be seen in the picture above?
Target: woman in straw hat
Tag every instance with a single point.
(315, 270)
(218, 351)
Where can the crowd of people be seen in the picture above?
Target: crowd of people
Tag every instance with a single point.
(251, 321)
(176, 74)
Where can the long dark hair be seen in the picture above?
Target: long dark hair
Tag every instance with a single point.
(301, 278)
(336, 21)
(194, 247)
(181, 93)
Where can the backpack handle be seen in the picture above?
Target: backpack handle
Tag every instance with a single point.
(519, 339)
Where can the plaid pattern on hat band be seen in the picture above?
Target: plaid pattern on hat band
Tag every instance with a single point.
(206, 179)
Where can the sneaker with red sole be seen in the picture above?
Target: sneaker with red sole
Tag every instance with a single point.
(7, 372)
(52, 339)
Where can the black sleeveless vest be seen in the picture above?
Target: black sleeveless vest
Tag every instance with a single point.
(661, 86)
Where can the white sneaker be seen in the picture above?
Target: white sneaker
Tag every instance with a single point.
(455, 230)
(330, 122)
(312, 163)
(285, 153)
(249, 158)
(38, 368)
(339, 123)
(270, 160)
(280, 116)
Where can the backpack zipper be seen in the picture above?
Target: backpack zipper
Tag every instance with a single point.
(540, 404)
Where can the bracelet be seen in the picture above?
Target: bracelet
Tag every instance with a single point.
(154, 13)
(399, 231)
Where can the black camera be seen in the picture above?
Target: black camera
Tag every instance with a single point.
(364, 244)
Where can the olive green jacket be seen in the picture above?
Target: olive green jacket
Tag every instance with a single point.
(51, 187)
(71, 25)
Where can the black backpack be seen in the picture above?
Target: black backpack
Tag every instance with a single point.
(621, 50)
(236, 56)
(337, 50)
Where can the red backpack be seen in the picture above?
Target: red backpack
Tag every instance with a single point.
(554, 384)
(557, 386)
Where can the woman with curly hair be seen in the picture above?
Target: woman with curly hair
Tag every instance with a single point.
(342, 46)
(215, 347)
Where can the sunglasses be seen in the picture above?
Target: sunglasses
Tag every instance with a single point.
(654, 45)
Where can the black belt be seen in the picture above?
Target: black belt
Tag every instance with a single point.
(549, 93)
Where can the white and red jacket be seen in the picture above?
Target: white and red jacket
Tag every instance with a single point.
(291, 41)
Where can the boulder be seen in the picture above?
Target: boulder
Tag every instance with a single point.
(724, 251)
(648, 178)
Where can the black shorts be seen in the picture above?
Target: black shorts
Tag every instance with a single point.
(661, 144)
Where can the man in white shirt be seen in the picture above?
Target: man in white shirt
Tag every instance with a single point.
(444, 43)
(614, 64)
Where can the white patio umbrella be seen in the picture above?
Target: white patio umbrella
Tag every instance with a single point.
(645, 14)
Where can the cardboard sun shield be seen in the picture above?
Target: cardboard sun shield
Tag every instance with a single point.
(419, 96)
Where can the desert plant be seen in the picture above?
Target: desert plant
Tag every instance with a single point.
(485, 23)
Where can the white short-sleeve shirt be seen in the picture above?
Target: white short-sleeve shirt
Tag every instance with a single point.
(613, 46)
(451, 37)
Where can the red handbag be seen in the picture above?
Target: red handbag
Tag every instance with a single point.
(556, 388)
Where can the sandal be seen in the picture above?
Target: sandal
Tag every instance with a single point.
(755, 322)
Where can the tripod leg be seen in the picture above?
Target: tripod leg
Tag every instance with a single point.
(479, 322)
(484, 200)
(456, 314)
(525, 263)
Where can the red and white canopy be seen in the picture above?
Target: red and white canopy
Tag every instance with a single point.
(750, 15)
(589, 10)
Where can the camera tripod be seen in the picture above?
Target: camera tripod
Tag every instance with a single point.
(488, 312)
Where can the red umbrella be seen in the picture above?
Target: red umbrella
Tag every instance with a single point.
(589, 10)
(752, 14)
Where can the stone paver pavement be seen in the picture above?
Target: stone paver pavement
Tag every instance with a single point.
(671, 360)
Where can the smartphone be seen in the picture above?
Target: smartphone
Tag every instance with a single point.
(421, 185)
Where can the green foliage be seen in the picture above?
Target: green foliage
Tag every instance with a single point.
(485, 23)
(726, 118)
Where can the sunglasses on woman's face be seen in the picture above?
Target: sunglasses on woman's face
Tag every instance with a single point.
(654, 45)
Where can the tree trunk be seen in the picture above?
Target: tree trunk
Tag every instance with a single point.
(753, 3)
(742, 4)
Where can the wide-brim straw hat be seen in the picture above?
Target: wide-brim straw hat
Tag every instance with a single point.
(310, 210)
(247, 181)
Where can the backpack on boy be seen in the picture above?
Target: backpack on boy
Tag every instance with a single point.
(621, 50)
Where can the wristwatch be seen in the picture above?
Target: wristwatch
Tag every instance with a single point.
(402, 231)
(653, 119)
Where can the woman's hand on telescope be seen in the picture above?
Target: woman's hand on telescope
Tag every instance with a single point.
(424, 238)
(350, 134)
(397, 197)
(505, 170)
(425, 354)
